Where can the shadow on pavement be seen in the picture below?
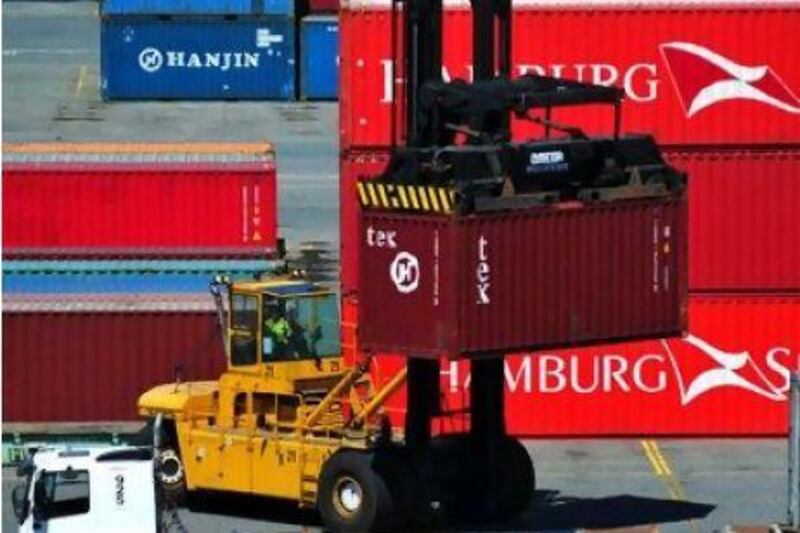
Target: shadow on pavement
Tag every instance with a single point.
(253, 507)
(553, 511)
(549, 511)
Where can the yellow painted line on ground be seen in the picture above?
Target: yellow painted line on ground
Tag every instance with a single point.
(664, 471)
(79, 83)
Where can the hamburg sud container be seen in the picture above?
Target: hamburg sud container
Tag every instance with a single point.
(728, 376)
(198, 58)
(319, 56)
(354, 166)
(742, 233)
(567, 274)
(721, 72)
(88, 359)
(139, 200)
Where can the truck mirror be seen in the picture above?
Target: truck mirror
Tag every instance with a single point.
(26, 468)
(19, 500)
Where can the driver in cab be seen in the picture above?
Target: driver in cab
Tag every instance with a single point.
(277, 331)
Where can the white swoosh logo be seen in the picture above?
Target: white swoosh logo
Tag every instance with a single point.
(724, 376)
(737, 88)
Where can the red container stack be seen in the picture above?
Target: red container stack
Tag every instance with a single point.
(122, 213)
(693, 73)
(717, 85)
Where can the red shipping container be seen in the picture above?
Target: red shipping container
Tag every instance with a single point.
(742, 225)
(693, 73)
(742, 234)
(477, 284)
(88, 362)
(728, 376)
(353, 166)
(323, 6)
(139, 200)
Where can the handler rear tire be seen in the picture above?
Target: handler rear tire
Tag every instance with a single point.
(352, 497)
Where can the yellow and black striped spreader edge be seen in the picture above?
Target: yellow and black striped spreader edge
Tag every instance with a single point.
(399, 197)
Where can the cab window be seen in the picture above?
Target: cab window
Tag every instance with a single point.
(301, 328)
(66, 493)
(245, 312)
(244, 322)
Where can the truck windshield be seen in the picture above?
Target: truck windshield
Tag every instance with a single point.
(304, 327)
(66, 493)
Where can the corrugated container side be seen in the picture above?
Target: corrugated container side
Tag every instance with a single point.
(728, 377)
(140, 266)
(139, 210)
(663, 70)
(79, 367)
(97, 282)
(193, 7)
(352, 167)
(319, 53)
(467, 286)
(741, 205)
(323, 6)
(138, 152)
(146, 58)
(743, 225)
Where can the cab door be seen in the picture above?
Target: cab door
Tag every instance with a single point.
(276, 469)
(244, 329)
(234, 469)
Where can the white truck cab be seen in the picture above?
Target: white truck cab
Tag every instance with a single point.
(89, 490)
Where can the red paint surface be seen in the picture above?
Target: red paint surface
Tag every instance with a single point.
(743, 231)
(68, 209)
(76, 367)
(662, 80)
(323, 6)
(352, 167)
(459, 286)
(728, 377)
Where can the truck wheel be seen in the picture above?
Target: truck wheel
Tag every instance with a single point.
(519, 479)
(352, 497)
(171, 475)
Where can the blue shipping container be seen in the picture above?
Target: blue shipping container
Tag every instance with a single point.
(129, 277)
(185, 59)
(319, 50)
(197, 7)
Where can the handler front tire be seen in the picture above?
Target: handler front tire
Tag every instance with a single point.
(171, 476)
(352, 497)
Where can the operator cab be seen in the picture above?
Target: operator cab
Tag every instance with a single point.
(279, 321)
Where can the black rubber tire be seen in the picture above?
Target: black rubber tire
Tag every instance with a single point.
(519, 479)
(465, 498)
(376, 510)
(175, 491)
(458, 486)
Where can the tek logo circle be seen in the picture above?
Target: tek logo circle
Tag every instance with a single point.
(404, 272)
(150, 59)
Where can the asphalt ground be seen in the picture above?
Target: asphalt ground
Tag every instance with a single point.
(50, 92)
(672, 485)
